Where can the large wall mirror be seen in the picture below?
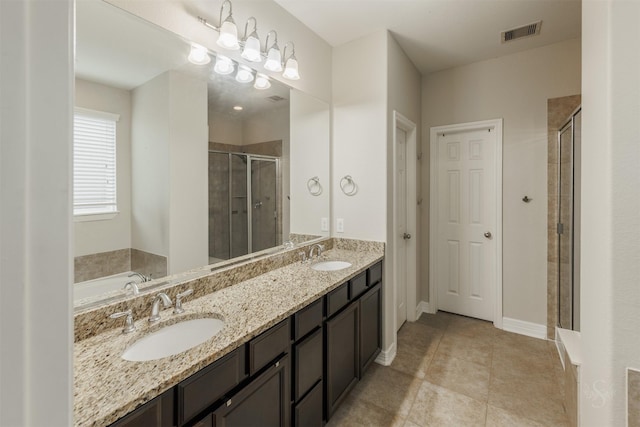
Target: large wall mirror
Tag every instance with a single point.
(178, 167)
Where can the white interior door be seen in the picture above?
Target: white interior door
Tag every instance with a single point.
(466, 224)
(401, 231)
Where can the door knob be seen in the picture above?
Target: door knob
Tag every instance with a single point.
(406, 236)
(487, 234)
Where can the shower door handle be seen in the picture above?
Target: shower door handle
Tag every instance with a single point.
(487, 234)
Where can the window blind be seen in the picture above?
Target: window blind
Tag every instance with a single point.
(94, 162)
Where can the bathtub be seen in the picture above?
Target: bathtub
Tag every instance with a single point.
(111, 285)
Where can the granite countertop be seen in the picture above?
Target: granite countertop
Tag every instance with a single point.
(106, 387)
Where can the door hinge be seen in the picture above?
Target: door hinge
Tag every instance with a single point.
(560, 228)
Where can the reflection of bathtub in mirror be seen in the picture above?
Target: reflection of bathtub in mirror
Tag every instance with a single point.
(102, 286)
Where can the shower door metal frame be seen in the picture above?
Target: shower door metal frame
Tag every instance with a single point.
(569, 124)
(249, 201)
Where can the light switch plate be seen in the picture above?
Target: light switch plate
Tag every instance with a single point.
(340, 225)
(324, 224)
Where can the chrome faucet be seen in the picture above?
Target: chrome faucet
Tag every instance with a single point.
(303, 257)
(133, 287)
(141, 276)
(177, 309)
(319, 248)
(129, 326)
(155, 308)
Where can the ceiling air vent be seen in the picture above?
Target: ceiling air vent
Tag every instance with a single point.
(521, 32)
(275, 98)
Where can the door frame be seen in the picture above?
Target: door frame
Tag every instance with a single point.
(495, 124)
(400, 121)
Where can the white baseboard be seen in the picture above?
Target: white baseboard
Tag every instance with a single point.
(386, 356)
(423, 307)
(521, 327)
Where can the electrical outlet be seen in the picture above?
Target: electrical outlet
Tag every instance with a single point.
(340, 225)
(324, 224)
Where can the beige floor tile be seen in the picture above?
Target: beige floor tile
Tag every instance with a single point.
(535, 398)
(471, 327)
(355, 412)
(521, 363)
(497, 417)
(438, 406)
(460, 375)
(391, 390)
(410, 424)
(417, 344)
(439, 320)
(475, 349)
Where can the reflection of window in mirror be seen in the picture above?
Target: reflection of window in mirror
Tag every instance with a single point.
(94, 164)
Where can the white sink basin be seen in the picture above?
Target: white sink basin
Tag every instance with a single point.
(331, 265)
(173, 339)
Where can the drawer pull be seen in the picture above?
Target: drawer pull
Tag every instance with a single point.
(229, 402)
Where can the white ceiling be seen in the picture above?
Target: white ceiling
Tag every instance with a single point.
(440, 34)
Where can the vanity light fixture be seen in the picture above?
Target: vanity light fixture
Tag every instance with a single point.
(251, 51)
(291, 64)
(262, 82)
(199, 55)
(244, 74)
(274, 56)
(228, 38)
(223, 65)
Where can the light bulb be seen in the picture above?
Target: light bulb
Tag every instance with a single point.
(262, 82)
(291, 69)
(199, 55)
(244, 74)
(274, 59)
(223, 65)
(228, 38)
(251, 50)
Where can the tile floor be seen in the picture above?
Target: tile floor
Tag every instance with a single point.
(456, 371)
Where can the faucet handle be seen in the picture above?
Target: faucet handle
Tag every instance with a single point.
(178, 307)
(129, 326)
(303, 256)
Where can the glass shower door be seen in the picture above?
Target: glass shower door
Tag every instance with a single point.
(565, 227)
(239, 212)
(264, 209)
(219, 213)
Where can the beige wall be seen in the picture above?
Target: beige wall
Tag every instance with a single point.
(113, 234)
(610, 208)
(516, 88)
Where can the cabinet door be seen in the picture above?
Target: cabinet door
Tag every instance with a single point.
(265, 402)
(155, 413)
(342, 358)
(370, 327)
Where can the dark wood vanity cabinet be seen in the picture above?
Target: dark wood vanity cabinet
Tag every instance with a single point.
(157, 412)
(296, 373)
(264, 402)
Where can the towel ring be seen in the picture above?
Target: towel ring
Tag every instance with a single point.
(314, 187)
(348, 186)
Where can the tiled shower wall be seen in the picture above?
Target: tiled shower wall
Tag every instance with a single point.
(558, 111)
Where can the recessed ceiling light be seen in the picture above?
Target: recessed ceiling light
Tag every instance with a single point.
(238, 108)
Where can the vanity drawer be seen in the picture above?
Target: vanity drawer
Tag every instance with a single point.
(358, 284)
(374, 274)
(308, 364)
(307, 319)
(269, 345)
(308, 412)
(202, 389)
(337, 298)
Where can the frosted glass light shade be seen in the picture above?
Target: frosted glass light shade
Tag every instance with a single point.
(228, 38)
(251, 50)
(199, 55)
(244, 74)
(291, 69)
(262, 82)
(223, 65)
(274, 59)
